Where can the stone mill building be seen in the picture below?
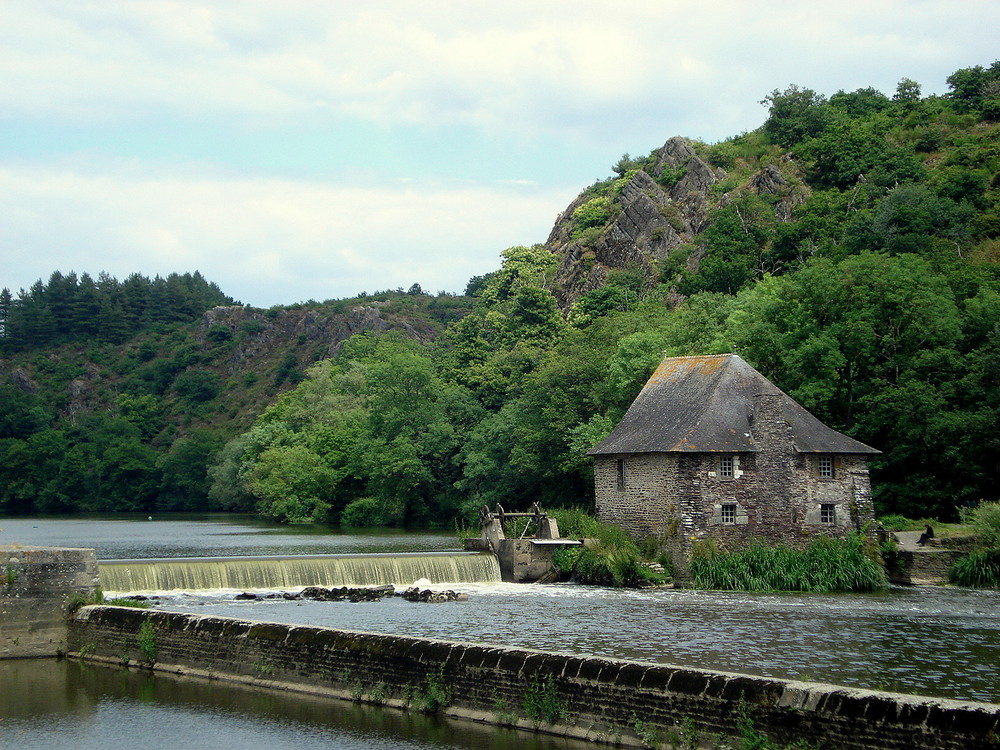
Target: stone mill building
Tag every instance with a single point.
(711, 449)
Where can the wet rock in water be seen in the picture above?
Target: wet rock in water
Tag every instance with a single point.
(245, 596)
(414, 594)
(362, 594)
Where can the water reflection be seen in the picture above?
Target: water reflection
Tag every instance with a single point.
(69, 706)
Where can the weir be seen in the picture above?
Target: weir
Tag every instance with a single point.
(587, 697)
(193, 574)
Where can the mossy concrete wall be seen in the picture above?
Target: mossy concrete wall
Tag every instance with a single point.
(36, 586)
(593, 698)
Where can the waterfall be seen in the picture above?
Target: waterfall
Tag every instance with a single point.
(246, 573)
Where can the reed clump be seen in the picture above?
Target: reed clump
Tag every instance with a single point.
(827, 565)
(981, 568)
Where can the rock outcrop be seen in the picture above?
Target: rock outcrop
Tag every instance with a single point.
(652, 220)
(666, 204)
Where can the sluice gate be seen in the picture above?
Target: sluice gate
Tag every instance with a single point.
(194, 574)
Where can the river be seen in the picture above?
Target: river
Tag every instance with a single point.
(938, 641)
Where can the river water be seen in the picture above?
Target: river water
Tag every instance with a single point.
(928, 640)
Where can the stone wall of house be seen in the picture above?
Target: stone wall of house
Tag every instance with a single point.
(36, 586)
(775, 494)
(647, 504)
(588, 697)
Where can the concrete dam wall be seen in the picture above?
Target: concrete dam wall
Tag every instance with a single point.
(607, 700)
(36, 586)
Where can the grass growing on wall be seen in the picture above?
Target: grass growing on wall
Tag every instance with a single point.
(826, 565)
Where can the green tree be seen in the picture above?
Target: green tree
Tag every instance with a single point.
(796, 114)
(293, 484)
(874, 346)
(184, 471)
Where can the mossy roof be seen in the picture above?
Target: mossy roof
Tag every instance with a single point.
(705, 404)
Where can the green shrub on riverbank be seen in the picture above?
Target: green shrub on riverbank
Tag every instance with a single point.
(981, 569)
(826, 565)
(615, 561)
(984, 522)
(977, 570)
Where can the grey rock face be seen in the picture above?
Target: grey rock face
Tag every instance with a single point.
(655, 216)
(652, 221)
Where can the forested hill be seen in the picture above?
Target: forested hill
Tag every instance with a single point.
(129, 420)
(848, 248)
(76, 309)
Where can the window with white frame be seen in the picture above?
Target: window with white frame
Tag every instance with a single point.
(727, 467)
(729, 512)
(828, 513)
(826, 468)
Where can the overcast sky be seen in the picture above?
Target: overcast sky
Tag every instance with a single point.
(312, 149)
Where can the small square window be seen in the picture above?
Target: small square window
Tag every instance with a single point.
(826, 467)
(621, 474)
(729, 513)
(726, 467)
(827, 513)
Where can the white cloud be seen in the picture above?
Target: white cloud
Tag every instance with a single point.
(553, 66)
(266, 241)
(396, 94)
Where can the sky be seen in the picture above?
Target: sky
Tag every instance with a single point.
(314, 149)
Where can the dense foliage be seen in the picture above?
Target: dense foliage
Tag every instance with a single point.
(866, 285)
(90, 425)
(75, 309)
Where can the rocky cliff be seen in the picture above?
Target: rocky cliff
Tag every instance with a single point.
(666, 203)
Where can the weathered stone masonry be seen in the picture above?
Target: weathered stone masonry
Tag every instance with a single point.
(710, 449)
(601, 697)
(36, 585)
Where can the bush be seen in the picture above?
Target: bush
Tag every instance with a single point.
(981, 569)
(198, 385)
(826, 565)
(615, 561)
(594, 213)
(219, 334)
(985, 522)
(978, 570)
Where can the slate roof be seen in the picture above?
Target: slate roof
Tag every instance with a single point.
(704, 404)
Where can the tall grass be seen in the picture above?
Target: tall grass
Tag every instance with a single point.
(977, 570)
(615, 561)
(985, 522)
(826, 565)
(981, 568)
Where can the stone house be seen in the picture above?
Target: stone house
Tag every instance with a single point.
(711, 449)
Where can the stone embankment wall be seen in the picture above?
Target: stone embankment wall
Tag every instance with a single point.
(599, 699)
(36, 585)
(924, 567)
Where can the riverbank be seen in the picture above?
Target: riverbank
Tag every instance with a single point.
(602, 700)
